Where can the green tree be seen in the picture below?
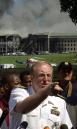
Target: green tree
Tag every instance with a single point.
(70, 6)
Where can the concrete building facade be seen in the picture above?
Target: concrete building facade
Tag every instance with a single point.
(63, 44)
(54, 43)
(9, 43)
(39, 43)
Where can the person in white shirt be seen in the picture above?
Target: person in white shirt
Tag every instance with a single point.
(39, 108)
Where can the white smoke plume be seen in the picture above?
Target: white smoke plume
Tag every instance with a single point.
(33, 16)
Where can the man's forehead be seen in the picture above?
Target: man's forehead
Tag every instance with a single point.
(41, 66)
(45, 73)
(44, 70)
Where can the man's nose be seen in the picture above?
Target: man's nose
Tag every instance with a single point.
(45, 77)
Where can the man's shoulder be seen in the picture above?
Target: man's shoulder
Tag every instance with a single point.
(18, 90)
(56, 98)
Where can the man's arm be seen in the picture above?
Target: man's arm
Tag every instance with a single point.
(31, 102)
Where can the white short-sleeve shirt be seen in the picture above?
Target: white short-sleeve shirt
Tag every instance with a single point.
(50, 112)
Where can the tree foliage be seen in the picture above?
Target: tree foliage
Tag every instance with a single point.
(70, 6)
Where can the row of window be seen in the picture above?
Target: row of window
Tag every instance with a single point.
(62, 49)
(61, 44)
(67, 41)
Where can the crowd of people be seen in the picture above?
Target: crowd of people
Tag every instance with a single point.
(32, 99)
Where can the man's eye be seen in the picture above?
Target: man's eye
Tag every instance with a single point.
(49, 76)
(41, 75)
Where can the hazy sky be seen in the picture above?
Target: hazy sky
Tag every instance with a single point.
(33, 16)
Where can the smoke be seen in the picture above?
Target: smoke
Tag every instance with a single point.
(5, 5)
(31, 16)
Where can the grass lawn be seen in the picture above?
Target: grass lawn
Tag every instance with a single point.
(53, 58)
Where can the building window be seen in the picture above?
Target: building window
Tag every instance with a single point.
(74, 44)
